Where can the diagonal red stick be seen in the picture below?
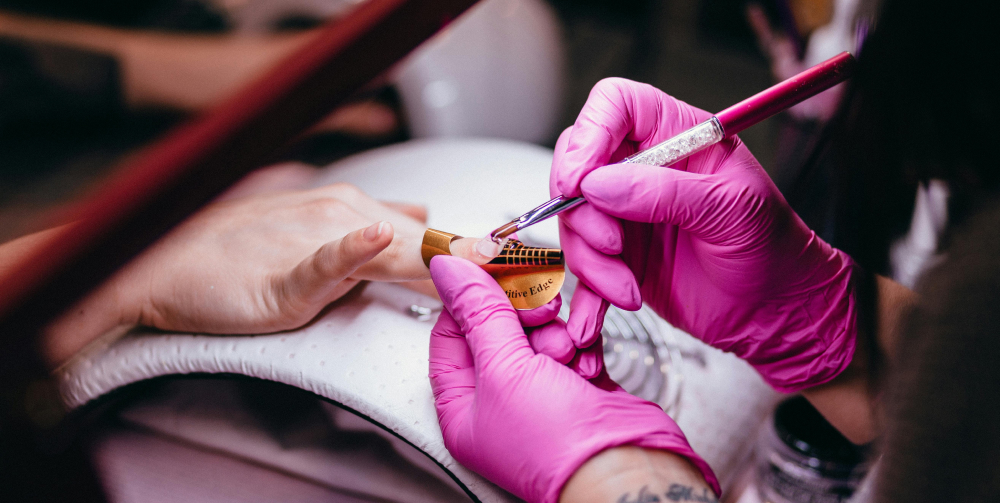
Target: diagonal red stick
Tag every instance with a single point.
(191, 165)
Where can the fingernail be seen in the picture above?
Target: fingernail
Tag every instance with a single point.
(636, 298)
(589, 366)
(488, 248)
(373, 231)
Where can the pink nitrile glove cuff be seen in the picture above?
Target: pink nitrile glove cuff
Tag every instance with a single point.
(822, 351)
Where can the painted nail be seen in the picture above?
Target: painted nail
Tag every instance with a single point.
(373, 231)
(588, 366)
(488, 248)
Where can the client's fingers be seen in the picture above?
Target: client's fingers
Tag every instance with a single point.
(314, 281)
(540, 315)
(401, 261)
(476, 250)
(415, 211)
(424, 286)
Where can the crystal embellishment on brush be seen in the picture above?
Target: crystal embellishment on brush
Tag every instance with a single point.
(703, 135)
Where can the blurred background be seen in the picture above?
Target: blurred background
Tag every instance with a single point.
(83, 84)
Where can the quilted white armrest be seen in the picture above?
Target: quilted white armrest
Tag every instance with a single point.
(369, 355)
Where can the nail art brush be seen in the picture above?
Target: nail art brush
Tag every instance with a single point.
(722, 125)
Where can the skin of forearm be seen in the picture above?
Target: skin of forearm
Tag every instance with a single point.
(187, 72)
(97, 314)
(630, 474)
(193, 73)
(849, 401)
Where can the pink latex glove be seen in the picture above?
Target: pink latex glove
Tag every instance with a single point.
(517, 417)
(709, 243)
(553, 339)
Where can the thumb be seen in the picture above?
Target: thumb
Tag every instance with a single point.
(481, 308)
(315, 279)
(540, 315)
(653, 194)
(452, 374)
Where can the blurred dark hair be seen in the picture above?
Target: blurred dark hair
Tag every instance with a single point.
(170, 15)
(922, 105)
(942, 439)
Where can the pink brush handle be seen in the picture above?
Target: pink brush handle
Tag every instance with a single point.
(786, 94)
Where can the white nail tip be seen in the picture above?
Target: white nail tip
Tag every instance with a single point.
(487, 248)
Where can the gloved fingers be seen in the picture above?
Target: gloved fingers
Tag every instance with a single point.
(653, 194)
(540, 315)
(553, 341)
(449, 350)
(589, 362)
(481, 308)
(558, 169)
(586, 316)
(619, 110)
(599, 230)
(452, 373)
(604, 381)
(605, 275)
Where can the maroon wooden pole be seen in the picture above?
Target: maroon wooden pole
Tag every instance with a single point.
(149, 195)
(191, 165)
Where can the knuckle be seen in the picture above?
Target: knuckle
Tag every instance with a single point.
(612, 83)
(394, 253)
(331, 259)
(327, 208)
(345, 192)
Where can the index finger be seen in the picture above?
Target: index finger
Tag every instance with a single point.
(620, 110)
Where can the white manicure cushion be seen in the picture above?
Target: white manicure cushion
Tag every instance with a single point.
(369, 355)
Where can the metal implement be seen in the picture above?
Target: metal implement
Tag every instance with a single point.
(530, 276)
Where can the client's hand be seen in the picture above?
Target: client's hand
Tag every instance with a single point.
(256, 264)
(518, 417)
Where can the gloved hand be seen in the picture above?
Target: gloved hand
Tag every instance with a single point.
(709, 243)
(517, 417)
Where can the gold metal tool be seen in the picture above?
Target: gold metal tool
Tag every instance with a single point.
(531, 277)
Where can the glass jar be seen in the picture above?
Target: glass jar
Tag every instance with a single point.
(801, 458)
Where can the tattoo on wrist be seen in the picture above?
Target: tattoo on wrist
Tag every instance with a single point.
(676, 492)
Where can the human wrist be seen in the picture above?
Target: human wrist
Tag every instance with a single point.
(631, 473)
(108, 309)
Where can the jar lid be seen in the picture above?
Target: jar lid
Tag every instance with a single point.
(803, 429)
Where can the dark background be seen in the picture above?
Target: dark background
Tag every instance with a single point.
(61, 131)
